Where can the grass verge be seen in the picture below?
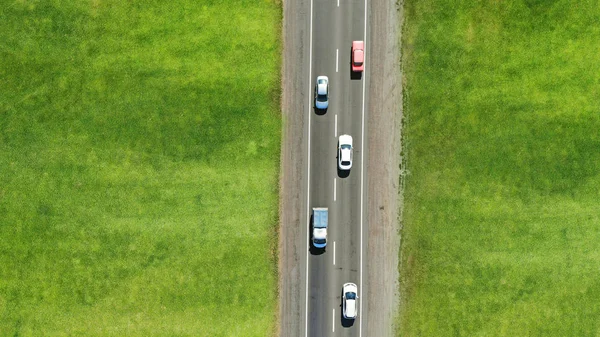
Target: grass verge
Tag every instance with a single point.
(139, 154)
(501, 208)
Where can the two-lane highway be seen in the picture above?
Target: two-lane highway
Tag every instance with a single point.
(334, 25)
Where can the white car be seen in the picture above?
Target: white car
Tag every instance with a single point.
(322, 93)
(350, 299)
(345, 152)
(320, 237)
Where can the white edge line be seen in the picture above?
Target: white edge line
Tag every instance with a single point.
(338, 3)
(337, 53)
(333, 321)
(362, 161)
(308, 174)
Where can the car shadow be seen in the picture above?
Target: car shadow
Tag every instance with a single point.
(346, 323)
(315, 251)
(319, 112)
(312, 249)
(343, 173)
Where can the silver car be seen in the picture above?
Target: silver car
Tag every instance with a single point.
(322, 93)
(345, 152)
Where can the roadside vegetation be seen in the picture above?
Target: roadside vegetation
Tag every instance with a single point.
(502, 213)
(139, 159)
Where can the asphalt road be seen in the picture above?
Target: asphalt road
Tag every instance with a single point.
(310, 286)
(334, 26)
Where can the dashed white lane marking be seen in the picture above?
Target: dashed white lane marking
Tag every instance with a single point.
(334, 188)
(334, 253)
(335, 127)
(333, 321)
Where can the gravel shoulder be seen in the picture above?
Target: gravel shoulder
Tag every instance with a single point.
(383, 167)
(292, 228)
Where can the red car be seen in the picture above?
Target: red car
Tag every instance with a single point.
(358, 56)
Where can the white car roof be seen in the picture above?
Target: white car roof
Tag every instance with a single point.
(346, 155)
(322, 89)
(351, 308)
(320, 233)
(345, 139)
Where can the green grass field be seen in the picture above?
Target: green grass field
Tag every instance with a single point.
(139, 159)
(502, 204)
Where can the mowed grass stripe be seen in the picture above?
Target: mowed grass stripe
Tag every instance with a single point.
(139, 155)
(502, 220)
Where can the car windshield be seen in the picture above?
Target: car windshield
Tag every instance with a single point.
(351, 296)
(321, 241)
(322, 98)
(345, 162)
(346, 147)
